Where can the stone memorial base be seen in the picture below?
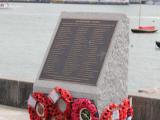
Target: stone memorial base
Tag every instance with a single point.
(111, 83)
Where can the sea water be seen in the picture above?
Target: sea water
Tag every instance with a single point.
(26, 29)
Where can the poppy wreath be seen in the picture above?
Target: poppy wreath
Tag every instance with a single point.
(130, 113)
(59, 105)
(55, 114)
(108, 112)
(127, 109)
(61, 99)
(37, 106)
(84, 109)
(123, 111)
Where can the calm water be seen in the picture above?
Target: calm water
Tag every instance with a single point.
(26, 30)
(144, 67)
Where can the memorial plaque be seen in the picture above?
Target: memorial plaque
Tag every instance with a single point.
(78, 50)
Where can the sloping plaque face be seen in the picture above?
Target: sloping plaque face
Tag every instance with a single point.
(78, 51)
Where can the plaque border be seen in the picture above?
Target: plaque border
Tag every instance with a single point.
(75, 15)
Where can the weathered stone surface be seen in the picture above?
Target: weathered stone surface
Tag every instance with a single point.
(9, 92)
(112, 80)
(146, 106)
(15, 93)
(24, 90)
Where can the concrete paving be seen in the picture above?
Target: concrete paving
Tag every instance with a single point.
(10, 113)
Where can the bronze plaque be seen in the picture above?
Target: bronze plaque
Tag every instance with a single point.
(78, 51)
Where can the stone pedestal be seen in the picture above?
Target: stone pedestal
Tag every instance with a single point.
(103, 79)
